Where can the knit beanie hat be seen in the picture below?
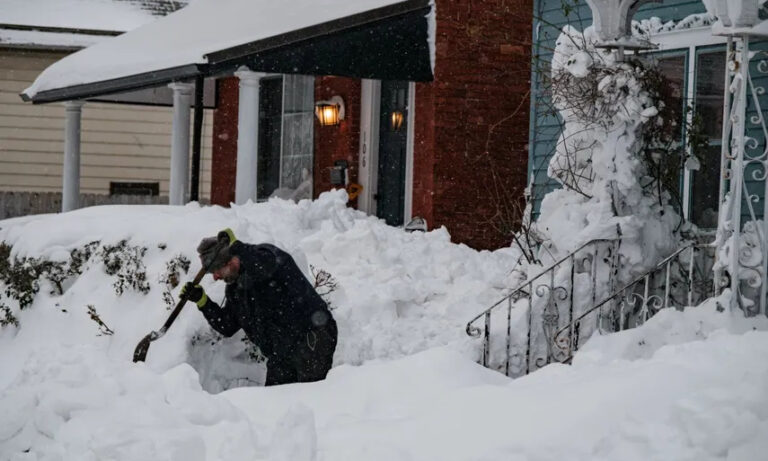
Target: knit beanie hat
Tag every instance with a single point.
(214, 252)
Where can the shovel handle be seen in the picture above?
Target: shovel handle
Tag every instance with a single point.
(140, 353)
(182, 300)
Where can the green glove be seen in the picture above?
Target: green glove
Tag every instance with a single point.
(194, 293)
(227, 236)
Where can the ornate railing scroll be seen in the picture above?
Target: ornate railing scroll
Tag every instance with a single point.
(551, 298)
(742, 227)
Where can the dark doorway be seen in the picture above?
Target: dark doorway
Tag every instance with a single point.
(270, 126)
(393, 138)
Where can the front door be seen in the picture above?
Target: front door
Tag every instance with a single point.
(393, 137)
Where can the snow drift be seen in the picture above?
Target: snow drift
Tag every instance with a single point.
(697, 396)
(398, 293)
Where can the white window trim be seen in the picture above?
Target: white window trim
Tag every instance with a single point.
(369, 146)
(690, 94)
(408, 197)
(686, 38)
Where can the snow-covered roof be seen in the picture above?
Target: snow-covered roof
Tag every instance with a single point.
(95, 15)
(49, 40)
(185, 37)
(75, 24)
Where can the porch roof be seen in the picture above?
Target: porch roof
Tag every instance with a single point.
(386, 39)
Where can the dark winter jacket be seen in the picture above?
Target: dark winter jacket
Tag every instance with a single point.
(272, 301)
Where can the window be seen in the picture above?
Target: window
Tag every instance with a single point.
(270, 128)
(708, 107)
(696, 78)
(298, 140)
(134, 188)
(286, 111)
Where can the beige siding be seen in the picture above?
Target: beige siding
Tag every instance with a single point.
(119, 142)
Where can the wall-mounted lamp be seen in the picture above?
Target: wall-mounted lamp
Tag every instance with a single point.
(397, 120)
(330, 112)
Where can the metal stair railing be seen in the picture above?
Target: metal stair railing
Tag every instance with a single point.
(639, 300)
(682, 278)
(548, 291)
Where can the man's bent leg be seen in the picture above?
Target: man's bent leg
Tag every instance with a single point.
(315, 357)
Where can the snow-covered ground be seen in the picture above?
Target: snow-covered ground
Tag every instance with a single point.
(405, 386)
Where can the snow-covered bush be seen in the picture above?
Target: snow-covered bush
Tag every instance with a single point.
(605, 106)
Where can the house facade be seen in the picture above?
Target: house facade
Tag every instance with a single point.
(125, 147)
(444, 140)
(713, 59)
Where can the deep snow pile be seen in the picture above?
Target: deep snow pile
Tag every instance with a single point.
(685, 386)
(398, 293)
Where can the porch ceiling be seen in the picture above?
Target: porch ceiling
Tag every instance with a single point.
(383, 39)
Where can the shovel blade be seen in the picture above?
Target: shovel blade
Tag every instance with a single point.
(140, 354)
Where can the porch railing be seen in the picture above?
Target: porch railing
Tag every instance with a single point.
(684, 278)
(577, 295)
(548, 295)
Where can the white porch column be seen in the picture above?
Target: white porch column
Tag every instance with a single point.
(70, 193)
(247, 135)
(178, 192)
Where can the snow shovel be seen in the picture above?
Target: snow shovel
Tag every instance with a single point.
(140, 354)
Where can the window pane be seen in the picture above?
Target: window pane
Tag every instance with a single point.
(706, 186)
(270, 110)
(673, 94)
(298, 123)
(710, 81)
(673, 69)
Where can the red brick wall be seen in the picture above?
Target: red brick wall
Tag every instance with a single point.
(480, 104)
(224, 155)
(341, 142)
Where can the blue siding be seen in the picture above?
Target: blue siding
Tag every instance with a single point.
(549, 18)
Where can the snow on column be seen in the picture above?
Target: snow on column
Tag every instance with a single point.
(70, 197)
(179, 186)
(247, 135)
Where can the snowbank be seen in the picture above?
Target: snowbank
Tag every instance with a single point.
(398, 293)
(684, 386)
(701, 398)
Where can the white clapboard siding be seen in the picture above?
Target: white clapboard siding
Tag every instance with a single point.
(119, 142)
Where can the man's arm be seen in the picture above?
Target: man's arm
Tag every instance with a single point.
(220, 318)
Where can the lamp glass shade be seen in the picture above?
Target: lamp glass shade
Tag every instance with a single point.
(397, 120)
(327, 114)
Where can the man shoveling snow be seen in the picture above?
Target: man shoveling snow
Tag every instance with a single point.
(269, 297)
